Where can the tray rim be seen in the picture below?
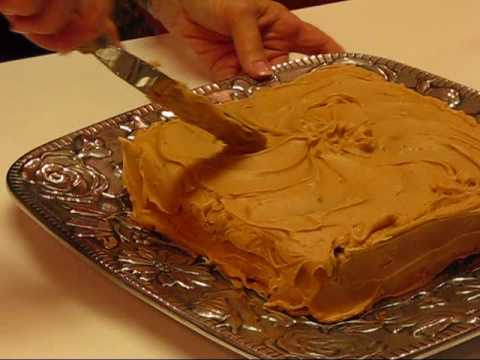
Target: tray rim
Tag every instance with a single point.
(162, 309)
(36, 215)
(422, 353)
(443, 343)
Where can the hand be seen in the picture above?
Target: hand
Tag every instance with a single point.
(249, 35)
(60, 25)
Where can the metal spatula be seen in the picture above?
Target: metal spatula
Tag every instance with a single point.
(191, 108)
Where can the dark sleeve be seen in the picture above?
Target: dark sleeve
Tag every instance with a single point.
(133, 20)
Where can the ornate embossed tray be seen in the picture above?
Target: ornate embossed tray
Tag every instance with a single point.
(72, 186)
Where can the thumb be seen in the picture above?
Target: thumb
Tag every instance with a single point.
(248, 41)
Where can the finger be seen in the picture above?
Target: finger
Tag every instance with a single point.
(88, 22)
(56, 15)
(242, 21)
(111, 32)
(279, 59)
(225, 68)
(277, 56)
(71, 38)
(21, 7)
(310, 40)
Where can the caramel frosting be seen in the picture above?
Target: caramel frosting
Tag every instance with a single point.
(201, 112)
(366, 190)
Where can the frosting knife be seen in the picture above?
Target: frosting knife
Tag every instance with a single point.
(191, 108)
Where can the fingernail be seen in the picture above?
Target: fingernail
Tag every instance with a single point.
(262, 69)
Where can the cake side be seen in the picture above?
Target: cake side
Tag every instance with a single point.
(392, 268)
(354, 165)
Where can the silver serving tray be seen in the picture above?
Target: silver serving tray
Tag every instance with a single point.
(72, 186)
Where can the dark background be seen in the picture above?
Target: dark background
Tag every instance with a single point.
(14, 46)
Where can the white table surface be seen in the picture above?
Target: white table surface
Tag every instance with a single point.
(51, 303)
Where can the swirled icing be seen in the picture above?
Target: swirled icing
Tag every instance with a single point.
(366, 190)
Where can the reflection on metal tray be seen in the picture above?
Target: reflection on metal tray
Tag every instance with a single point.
(73, 187)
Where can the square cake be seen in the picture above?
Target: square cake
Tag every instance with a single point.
(366, 190)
